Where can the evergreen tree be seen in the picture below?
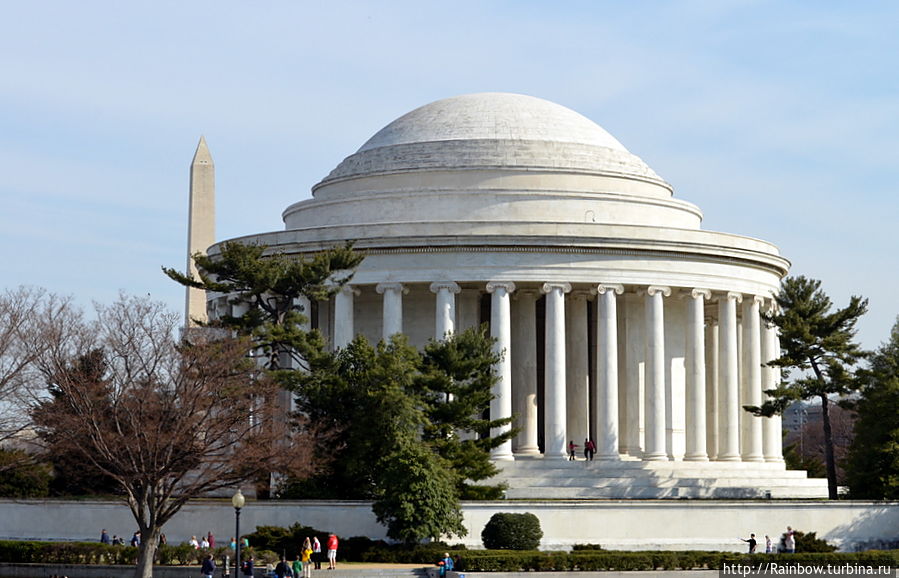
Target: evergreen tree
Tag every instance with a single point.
(819, 343)
(873, 465)
(409, 431)
(457, 375)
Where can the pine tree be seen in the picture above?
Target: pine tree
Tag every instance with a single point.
(269, 285)
(819, 343)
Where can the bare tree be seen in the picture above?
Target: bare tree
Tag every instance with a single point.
(26, 316)
(167, 419)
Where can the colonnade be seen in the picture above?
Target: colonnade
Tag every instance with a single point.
(669, 373)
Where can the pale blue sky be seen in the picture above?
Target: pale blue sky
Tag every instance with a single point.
(780, 120)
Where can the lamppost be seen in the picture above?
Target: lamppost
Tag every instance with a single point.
(237, 500)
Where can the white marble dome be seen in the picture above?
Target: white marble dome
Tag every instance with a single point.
(499, 131)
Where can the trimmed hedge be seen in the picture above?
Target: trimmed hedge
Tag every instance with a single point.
(28, 552)
(472, 560)
(601, 560)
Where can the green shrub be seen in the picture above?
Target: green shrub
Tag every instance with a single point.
(507, 531)
(809, 542)
(579, 547)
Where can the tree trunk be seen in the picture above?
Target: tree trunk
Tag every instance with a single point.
(144, 568)
(829, 460)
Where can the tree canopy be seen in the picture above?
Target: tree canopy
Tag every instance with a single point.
(168, 420)
(873, 465)
(819, 343)
(269, 285)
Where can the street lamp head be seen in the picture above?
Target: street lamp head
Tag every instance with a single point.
(237, 500)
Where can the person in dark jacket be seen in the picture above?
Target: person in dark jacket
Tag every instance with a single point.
(282, 570)
(208, 567)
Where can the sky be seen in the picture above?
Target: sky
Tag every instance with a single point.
(780, 120)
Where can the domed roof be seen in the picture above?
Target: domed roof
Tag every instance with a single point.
(493, 130)
(492, 116)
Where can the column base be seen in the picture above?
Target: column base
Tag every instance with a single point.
(502, 457)
(777, 460)
(528, 451)
(756, 458)
(661, 457)
(608, 458)
(730, 458)
(696, 458)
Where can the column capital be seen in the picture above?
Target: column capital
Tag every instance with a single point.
(734, 295)
(348, 290)
(616, 288)
(552, 286)
(450, 286)
(382, 288)
(758, 299)
(653, 289)
(698, 292)
(508, 286)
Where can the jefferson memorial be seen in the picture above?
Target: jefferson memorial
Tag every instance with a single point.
(620, 319)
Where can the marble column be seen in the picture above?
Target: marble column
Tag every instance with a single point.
(445, 315)
(501, 330)
(752, 379)
(392, 320)
(554, 382)
(524, 370)
(728, 380)
(772, 442)
(711, 387)
(343, 317)
(696, 383)
(577, 374)
(633, 427)
(606, 400)
(655, 447)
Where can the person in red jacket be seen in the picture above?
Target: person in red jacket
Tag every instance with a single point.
(332, 552)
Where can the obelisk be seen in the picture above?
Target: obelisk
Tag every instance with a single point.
(201, 226)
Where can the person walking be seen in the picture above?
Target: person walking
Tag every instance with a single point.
(572, 448)
(332, 551)
(208, 567)
(104, 537)
(767, 544)
(298, 566)
(211, 539)
(589, 449)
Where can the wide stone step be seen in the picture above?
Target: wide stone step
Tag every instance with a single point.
(620, 474)
(677, 492)
(535, 481)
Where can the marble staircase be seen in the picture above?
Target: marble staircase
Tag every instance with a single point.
(635, 479)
